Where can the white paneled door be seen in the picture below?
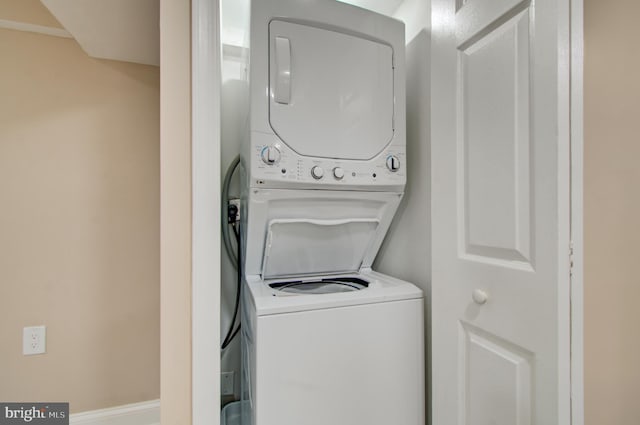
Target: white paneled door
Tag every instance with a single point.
(500, 184)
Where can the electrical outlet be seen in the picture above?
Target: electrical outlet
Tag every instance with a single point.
(34, 340)
(226, 383)
(236, 202)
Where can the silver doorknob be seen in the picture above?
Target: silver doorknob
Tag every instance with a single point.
(479, 296)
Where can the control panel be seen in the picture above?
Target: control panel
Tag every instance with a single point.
(274, 164)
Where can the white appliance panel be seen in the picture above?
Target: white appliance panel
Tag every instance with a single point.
(331, 92)
(291, 170)
(342, 366)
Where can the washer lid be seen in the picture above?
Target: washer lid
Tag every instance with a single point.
(331, 93)
(299, 247)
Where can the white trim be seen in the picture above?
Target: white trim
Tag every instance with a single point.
(577, 231)
(22, 26)
(144, 413)
(564, 212)
(205, 160)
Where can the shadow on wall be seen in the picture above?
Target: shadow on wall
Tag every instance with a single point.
(406, 251)
(235, 93)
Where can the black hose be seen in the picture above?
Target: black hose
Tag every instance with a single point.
(230, 332)
(234, 255)
(226, 237)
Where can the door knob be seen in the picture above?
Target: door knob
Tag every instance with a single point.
(479, 296)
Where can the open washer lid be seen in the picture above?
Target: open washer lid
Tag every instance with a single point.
(290, 233)
(299, 247)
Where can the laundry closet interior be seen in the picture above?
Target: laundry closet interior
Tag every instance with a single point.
(401, 212)
(335, 237)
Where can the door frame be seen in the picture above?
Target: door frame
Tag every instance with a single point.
(206, 215)
(577, 211)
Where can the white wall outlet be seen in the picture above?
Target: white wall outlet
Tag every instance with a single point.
(226, 383)
(34, 340)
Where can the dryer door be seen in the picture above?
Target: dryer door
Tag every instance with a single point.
(331, 93)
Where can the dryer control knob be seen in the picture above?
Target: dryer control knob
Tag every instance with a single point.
(393, 163)
(270, 155)
(338, 173)
(317, 172)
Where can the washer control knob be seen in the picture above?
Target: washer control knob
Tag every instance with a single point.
(270, 155)
(338, 173)
(317, 172)
(393, 163)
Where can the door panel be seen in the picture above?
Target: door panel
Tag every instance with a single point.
(476, 16)
(500, 212)
(331, 92)
(498, 380)
(493, 131)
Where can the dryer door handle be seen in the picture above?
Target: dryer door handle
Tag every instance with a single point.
(282, 91)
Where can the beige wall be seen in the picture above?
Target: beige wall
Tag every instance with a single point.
(175, 211)
(79, 224)
(612, 211)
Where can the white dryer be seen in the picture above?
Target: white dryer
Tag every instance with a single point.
(326, 340)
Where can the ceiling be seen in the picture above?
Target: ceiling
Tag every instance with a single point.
(125, 30)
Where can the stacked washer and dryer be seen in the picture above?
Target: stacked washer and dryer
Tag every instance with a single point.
(326, 340)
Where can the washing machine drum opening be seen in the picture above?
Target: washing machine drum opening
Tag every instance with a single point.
(321, 286)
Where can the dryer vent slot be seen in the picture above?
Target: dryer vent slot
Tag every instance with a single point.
(321, 286)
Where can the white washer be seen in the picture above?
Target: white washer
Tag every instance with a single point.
(316, 351)
(324, 172)
(339, 358)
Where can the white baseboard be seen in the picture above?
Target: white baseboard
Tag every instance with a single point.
(144, 413)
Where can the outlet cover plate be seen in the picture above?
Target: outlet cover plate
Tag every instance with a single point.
(34, 340)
